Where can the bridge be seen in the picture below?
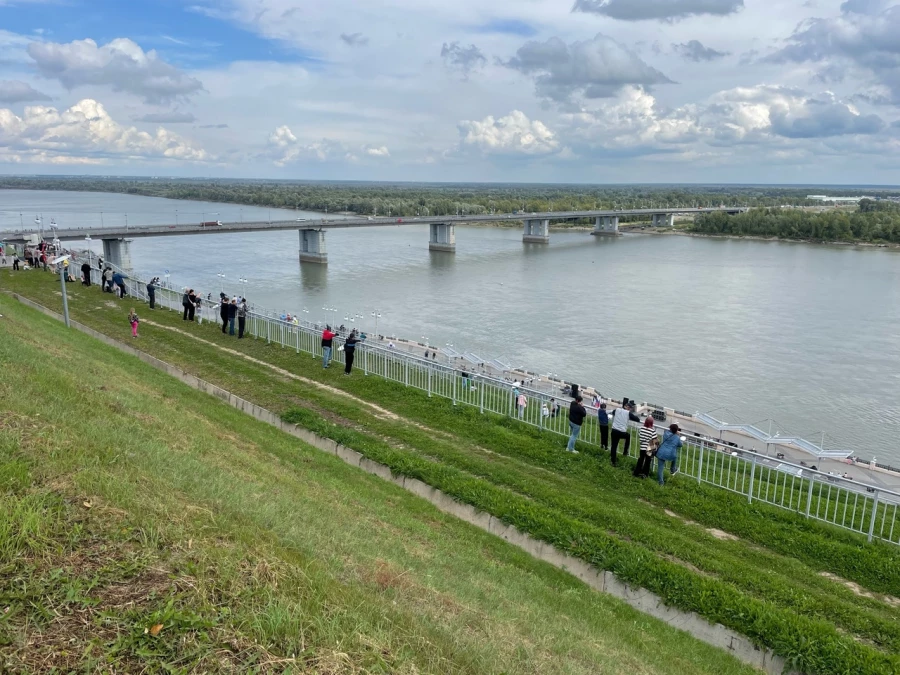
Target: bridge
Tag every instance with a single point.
(312, 230)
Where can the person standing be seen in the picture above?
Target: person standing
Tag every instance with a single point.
(603, 423)
(327, 341)
(232, 315)
(349, 352)
(242, 317)
(85, 274)
(119, 280)
(198, 304)
(151, 292)
(668, 452)
(192, 304)
(648, 439)
(621, 418)
(185, 304)
(223, 311)
(16, 261)
(577, 413)
(134, 321)
(521, 402)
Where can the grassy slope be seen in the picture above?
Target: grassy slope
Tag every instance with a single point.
(523, 460)
(131, 501)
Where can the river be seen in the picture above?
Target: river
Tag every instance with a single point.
(806, 336)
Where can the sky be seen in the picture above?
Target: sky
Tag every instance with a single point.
(584, 91)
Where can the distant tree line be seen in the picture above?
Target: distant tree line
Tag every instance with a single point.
(409, 199)
(873, 221)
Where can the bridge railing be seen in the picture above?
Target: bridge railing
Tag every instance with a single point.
(864, 509)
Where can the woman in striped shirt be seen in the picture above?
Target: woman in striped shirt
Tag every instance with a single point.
(649, 440)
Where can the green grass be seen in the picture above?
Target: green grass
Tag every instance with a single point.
(767, 583)
(130, 501)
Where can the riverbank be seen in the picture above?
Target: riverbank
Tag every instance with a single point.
(707, 235)
(750, 566)
(185, 535)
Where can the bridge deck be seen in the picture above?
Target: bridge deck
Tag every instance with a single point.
(20, 236)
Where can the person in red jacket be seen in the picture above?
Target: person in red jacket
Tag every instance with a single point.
(327, 337)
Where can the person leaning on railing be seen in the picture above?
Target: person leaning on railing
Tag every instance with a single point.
(668, 452)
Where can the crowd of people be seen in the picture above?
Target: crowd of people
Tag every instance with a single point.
(614, 429)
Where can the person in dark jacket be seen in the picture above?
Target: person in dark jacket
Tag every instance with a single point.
(85, 274)
(185, 304)
(223, 310)
(349, 352)
(232, 315)
(603, 422)
(151, 292)
(192, 304)
(621, 417)
(242, 317)
(119, 280)
(577, 413)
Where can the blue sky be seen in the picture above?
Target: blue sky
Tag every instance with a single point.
(589, 91)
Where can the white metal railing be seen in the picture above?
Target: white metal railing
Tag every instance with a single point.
(868, 510)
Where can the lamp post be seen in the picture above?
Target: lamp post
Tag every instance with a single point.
(377, 316)
(221, 275)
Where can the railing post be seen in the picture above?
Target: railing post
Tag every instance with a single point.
(752, 476)
(406, 372)
(455, 378)
(429, 380)
(700, 463)
(481, 398)
(874, 514)
(268, 330)
(366, 361)
(809, 496)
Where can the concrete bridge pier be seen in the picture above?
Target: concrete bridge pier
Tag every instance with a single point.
(312, 246)
(443, 237)
(537, 231)
(663, 220)
(606, 225)
(118, 252)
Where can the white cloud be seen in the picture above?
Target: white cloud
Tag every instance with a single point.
(513, 134)
(120, 64)
(85, 131)
(379, 151)
(169, 117)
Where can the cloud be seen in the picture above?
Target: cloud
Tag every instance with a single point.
(594, 68)
(665, 10)
(859, 43)
(355, 39)
(85, 132)
(695, 51)
(513, 134)
(863, 6)
(120, 64)
(285, 148)
(380, 151)
(172, 117)
(465, 59)
(15, 91)
(213, 126)
(745, 114)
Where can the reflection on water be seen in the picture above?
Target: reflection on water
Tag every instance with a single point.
(805, 335)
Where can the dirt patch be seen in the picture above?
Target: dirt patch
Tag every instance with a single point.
(860, 591)
(721, 535)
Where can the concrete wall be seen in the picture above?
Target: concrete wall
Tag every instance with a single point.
(602, 580)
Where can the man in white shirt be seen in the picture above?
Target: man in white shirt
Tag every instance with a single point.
(620, 429)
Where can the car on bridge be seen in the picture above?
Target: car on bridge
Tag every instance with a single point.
(211, 223)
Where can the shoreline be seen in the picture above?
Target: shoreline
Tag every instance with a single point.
(752, 237)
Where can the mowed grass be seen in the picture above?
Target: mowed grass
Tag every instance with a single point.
(147, 527)
(767, 579)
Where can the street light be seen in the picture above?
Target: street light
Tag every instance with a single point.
(221, 275)
(377, 316)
